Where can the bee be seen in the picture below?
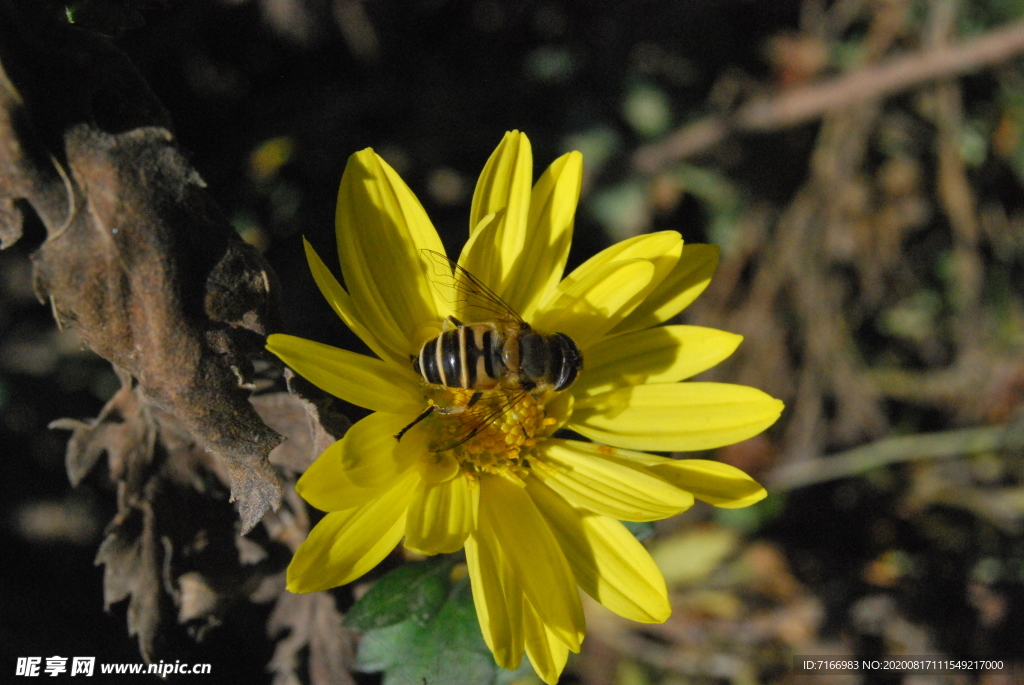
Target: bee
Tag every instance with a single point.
(500, 358)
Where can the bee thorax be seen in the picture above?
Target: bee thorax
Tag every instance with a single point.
(533, 356)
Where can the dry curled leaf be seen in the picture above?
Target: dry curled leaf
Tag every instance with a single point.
(165, 564)
(138, 257)
(306, 419)
(303, 623)
(314, 623)
(129, 273)
(195, 568)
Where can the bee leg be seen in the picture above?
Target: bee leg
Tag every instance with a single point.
(449, 411)
(426, 412)
(523, 428)
(451, 323)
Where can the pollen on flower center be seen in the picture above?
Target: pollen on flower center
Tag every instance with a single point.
(502, 444)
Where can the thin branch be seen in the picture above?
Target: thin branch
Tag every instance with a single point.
(807, 103)
(894, 450)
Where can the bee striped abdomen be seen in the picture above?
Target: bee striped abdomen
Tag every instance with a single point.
(465, 357)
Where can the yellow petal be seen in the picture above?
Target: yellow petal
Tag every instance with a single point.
(538, 269)
(669, 417)
(342, 305)
(505, 180)
(537, 266)
(477, 250)
(710, 481)
(688, 279)
(381, 228)
(439, 467)
(355, 378)
(347, 544)
(371, 456)
(531, 551)
(587, 309)
(442, 515)
(657, 355)
(713, 482)
(547, 653)
(608, 562)
(498, 600)
(594, 477)
(662, 249)
(327, 487)
(504, 184)
(481, 255)
(364, 463)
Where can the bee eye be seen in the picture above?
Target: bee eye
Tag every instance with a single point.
(566, 360)
(556, 352)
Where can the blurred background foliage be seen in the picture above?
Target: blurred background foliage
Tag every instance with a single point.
(872, 256)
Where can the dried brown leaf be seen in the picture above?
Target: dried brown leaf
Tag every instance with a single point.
(314, 624)
(309, 425)
(139, 258)
(132, 571)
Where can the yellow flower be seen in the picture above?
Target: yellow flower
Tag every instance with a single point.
(537, 515)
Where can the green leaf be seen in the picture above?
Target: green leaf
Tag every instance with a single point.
(448, 648)
(413, 592)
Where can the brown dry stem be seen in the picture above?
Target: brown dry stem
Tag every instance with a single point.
(803, 104)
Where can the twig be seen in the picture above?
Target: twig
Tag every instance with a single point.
(804, 104)
(894, 450)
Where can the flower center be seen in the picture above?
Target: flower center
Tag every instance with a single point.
(504, 434)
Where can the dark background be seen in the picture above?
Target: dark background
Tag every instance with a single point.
(270, 97)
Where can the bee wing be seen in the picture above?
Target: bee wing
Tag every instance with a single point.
(488, 409)
(473, 300)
